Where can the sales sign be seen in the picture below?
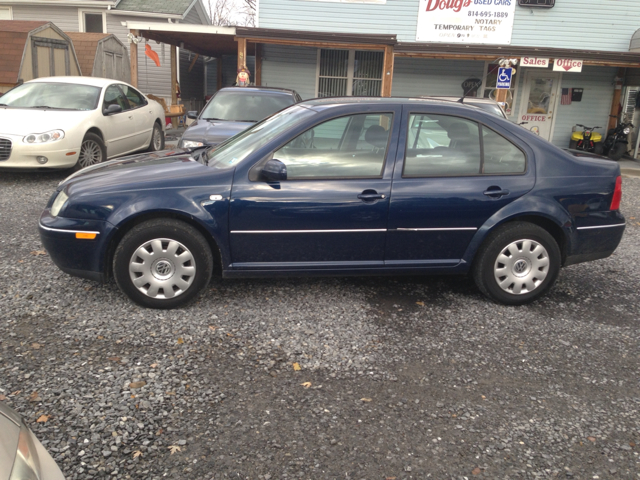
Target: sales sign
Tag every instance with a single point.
(466, 21)
(534, 62)
(504, 78)
(567, 65)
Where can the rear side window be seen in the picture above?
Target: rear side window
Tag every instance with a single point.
(444, 146)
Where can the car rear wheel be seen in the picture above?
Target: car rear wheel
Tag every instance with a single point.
(162, 263)
(517, 264)
(157, 139)
(92, 151)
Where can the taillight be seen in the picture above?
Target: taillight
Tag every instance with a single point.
(617, 194)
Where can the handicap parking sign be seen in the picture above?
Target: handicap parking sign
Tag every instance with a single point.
(504, 78)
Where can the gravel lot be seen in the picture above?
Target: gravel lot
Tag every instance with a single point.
(408, 377)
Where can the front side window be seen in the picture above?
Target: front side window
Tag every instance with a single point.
(113, 96)
(440, 145)
(135, 98)
(347, 147)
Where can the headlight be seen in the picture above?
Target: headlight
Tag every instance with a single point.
(191, 144)
(58, 203)
(46, 137)
(26, 464)
(626, 131)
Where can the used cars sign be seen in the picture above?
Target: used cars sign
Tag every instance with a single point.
(466, 21)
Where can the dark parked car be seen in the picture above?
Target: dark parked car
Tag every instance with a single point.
(341, 186)
(485, 104)
(232, 110)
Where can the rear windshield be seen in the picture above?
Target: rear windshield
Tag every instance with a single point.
(245, 105)
(64, 96)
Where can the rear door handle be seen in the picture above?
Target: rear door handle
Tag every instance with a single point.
(371, 196)
(496, 192)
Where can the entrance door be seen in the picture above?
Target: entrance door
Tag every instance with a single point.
(539, 101)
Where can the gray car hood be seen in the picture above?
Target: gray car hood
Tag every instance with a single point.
(212, 132)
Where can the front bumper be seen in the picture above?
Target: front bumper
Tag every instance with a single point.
(83, 258)
(60, 154)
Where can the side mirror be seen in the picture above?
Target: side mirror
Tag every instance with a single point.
(274, 171)
(111, 109)
(193, 115)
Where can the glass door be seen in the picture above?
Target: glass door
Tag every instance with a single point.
(539, 99)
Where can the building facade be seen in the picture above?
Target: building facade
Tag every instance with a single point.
(578, 53)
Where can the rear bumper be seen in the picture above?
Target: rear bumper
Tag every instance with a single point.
(593, 242)
(78, 257)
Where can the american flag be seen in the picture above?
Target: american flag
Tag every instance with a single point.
(566, 96)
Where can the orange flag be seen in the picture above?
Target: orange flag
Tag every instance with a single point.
(151, 54)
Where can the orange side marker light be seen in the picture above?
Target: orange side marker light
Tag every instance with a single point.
(86, 236)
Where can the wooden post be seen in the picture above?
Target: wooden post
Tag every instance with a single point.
(174, 74)
(615, 103)
(133, 59)
(219, 73)
(387, 71)
(258, 76)
(242, 52)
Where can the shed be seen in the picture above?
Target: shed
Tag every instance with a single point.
(33, 50)
(102, 55)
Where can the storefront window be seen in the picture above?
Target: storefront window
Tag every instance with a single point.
(349, 72)
(490, 90)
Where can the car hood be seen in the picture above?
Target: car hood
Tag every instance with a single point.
(167, 169)
(23, 121)
(212, 132)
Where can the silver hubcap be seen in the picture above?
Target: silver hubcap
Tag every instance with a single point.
(521, 267)
(162, 268)
(157, 138)
(90, 153)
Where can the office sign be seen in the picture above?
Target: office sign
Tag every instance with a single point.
(466, 21)
(534, 62)
(567, 65)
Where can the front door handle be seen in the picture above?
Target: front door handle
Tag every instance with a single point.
(371, 196)
(496, 192)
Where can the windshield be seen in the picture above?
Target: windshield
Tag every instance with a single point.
(67, 96)
(245, 105)
(238, 147)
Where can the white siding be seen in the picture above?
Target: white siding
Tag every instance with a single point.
(290, 67)
(595, 106)
(417, 76)
(65, 18)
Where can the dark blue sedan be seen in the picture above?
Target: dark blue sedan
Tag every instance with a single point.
(349, 186)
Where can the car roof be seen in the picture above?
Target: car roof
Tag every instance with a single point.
(466, 99)
(260, 89)
(93, 81)
(331, 101)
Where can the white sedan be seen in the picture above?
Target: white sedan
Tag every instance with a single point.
(64, 122)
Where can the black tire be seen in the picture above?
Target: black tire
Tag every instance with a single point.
(92, 151)
(487, 267)
(182, 279)
(156, 144)
(573, 144)
(617, 151)
(598, 148)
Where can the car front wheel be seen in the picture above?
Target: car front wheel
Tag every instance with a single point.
(162, 263)
(92, 151)
(517, 264)
(157, 139)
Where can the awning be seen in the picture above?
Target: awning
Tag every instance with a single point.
(492, 52)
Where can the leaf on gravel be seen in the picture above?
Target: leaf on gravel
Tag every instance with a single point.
(390, 478)
(137, 384)
(35, 345)
(180, 341)
(632, 444)
(38, 252)
(154, 365)
(296, 366)
(212, 328)
(137, 454)
(306, 384)
(2, 398)
(476, 471)
(34, 397)
(42, 419)
(174, 449)
(365, 399)
(420, 303)
(114, 359)
(591, 439)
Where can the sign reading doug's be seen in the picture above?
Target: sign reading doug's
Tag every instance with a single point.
(466, 21)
